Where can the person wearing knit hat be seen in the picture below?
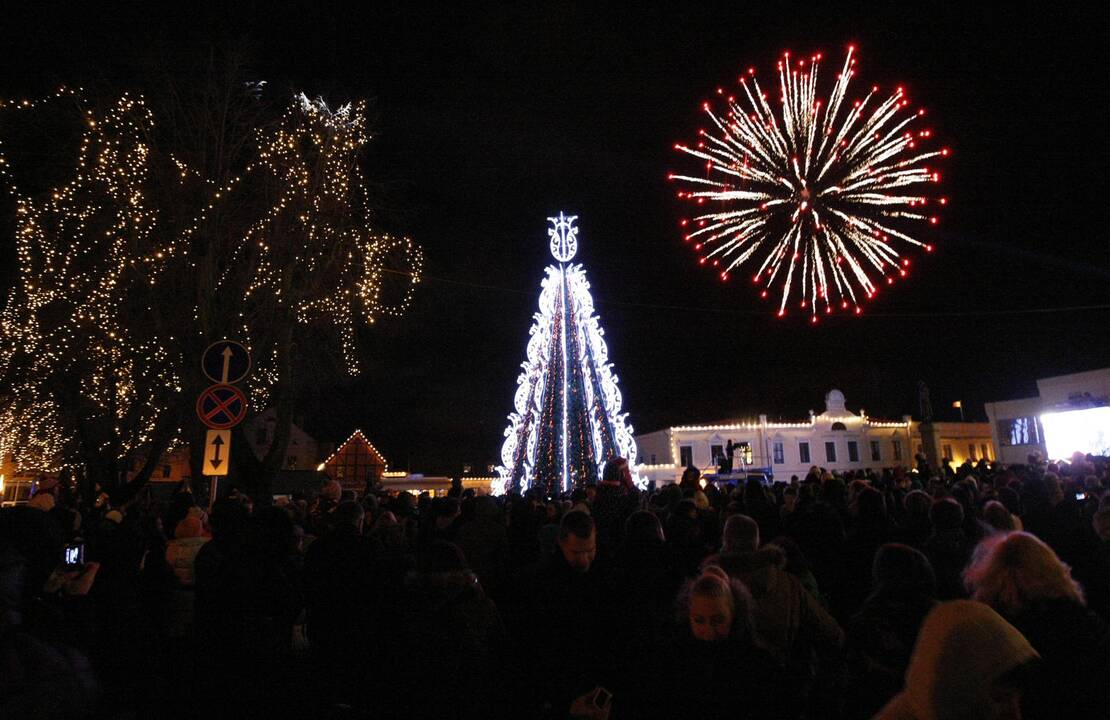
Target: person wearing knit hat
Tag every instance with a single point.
(967, 664)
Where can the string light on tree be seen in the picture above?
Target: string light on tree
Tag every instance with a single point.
(92, 348)
(567, 420)
(817, 197)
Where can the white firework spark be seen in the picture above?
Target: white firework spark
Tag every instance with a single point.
(817, 196)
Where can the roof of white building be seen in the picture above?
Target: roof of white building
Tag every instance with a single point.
(836, 410)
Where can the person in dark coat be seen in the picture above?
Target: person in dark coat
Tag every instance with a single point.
(1022, 578)
(1096, 563)
(882, 634)
(485, 542)
(644, 572)
(644, 580)
(948, 548)
(342, 595)
(760, 506)
(453, 634)
(245, 607)
(712, 665)
(818, 528)
(868, 531)
(915, 527)
(561, 619)
(615, 500)
(686, 536)
(41, 674)
(790, 622)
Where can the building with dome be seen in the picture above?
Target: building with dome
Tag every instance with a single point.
(836, 439)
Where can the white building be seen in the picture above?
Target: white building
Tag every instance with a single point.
(1017, 426)
(837, 439)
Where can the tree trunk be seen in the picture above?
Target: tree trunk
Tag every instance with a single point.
(284, 407)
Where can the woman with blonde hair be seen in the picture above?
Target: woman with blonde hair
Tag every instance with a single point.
(1023, 579)
(712, 666)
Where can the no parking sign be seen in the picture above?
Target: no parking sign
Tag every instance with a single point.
(222, 406)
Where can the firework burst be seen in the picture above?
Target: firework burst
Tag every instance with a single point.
(817, 197)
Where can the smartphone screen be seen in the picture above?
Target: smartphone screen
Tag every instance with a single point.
(601, 698)
(74, 555)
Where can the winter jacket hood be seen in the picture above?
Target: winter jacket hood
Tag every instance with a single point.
(963, 648)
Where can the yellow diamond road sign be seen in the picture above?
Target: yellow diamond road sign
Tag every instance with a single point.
(217, 452)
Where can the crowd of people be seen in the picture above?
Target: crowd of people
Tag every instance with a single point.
(977, 592)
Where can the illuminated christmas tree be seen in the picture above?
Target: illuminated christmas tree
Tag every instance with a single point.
(568, 418)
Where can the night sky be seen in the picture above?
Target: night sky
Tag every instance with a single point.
(488, 122)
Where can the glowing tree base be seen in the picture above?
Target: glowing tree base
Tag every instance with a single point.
(568, 418)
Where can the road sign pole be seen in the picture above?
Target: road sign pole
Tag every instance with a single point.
(221, 406)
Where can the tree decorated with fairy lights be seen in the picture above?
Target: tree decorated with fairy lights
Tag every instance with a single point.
(222, 222)
(567, 420)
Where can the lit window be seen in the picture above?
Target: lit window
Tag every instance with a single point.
(778, 452)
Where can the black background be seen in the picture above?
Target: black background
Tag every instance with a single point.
(488, 121)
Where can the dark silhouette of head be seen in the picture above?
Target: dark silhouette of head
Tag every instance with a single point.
(349, 513)
(741, 535)
(578, 540)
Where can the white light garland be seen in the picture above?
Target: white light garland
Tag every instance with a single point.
(106, 252)
(356, 433)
